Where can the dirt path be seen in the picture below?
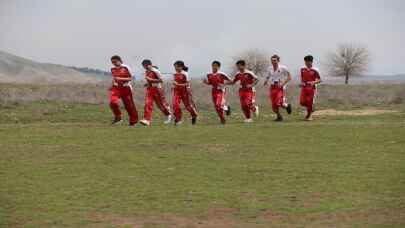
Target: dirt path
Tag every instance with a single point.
(362, 112)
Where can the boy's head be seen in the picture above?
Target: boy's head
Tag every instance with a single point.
(275, 59)
(116, 60)
(309, 60)
(216, 65)
(241, 65)
(147, 64)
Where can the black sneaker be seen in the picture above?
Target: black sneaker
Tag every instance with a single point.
(193, 120)
(289, 109)
(278, 119)
(228, 111)
(116, 121)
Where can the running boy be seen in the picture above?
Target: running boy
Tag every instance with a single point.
(122, 90)
(182, 93)
(278, 76)
(247, 81)
(154, 93)
(310, 78)
(217, 80)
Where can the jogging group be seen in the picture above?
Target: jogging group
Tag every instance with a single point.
(277, 79)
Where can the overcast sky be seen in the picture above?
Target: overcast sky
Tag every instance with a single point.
(88, 32)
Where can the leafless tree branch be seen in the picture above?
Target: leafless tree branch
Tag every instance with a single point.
(348, 60)
(257, 61)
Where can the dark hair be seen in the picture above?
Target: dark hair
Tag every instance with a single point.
(146, 62)
(116, 57)
(241, 62)
(276, 57)
(181, 64)
(309, 58)
(216, 63)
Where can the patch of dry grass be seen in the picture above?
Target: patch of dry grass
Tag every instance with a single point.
(330, 96)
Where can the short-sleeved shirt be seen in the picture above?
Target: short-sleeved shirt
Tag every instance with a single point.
(278, 75)
(181, 78)
(153, 74)
(245, 79)
(217, 80)
(309, 74)
(121, 72)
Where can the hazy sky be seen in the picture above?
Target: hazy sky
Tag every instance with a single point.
(88, 32)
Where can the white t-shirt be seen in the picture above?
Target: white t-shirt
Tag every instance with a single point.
(279, 75)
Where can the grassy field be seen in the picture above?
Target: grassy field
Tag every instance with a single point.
(63, 165)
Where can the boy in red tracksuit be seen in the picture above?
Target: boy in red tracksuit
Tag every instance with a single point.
(310, 78)
(247, 80)
(154, 94)
(278, 76)
(122, 90)
(217, 80)
(182, 93)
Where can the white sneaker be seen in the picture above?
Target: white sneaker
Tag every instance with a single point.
(257, 111)
(248, 121)
(145, 122)
(178, 123)
(168, 120)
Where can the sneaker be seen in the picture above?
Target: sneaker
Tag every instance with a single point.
(178, 122)
(309, 118)
(257, 111)
(193, 120)
(228, 110)
(223, 121)
(132, 124)
(145, 122)
(278, 119)
(168, 119)
(116, 121)
(289, 109)
(248, 121)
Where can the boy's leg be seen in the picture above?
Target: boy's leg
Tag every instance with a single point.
(160, 101)
(285, 104)
(276, 101)
(252, 102)
(245, 104)
(129, 104)
(115, 104)
(310, 101)
(219, 101)
(306, 100)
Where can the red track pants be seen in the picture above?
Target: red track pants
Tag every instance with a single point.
(247, 100)
(218, 98)
(307, 98)
(183, 95)
(157, 95)
(123, 93)
(277, 97)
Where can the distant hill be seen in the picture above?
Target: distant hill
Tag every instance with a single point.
(15, 69)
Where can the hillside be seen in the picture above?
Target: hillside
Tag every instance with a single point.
(14, 69)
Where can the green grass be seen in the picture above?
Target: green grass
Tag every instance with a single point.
(62, 165)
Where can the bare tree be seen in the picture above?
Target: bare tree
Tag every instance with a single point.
(257, 61)
(348, 60)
